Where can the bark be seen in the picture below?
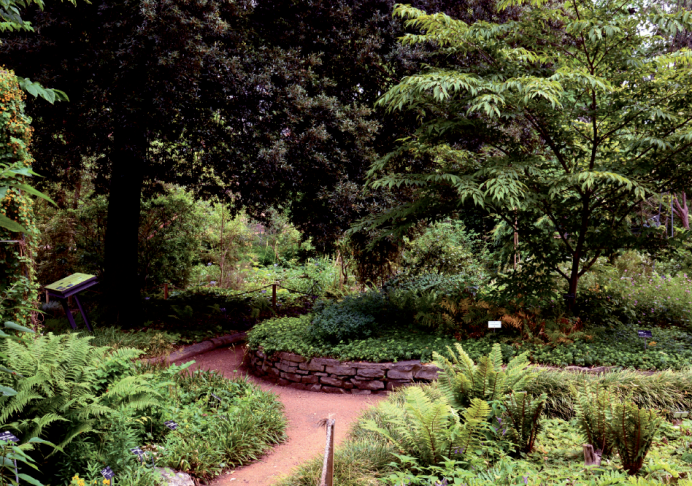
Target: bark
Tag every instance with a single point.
(122, 283)
(682, 211)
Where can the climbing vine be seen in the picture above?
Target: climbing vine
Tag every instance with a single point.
(18, 234)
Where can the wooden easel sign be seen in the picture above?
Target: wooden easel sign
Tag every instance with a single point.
(71, 286)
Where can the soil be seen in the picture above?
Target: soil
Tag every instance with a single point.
(303, 410)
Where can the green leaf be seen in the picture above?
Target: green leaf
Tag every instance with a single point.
(17, 327)
(35, 192)
(30, 480)
(6, 222)
(7, 391)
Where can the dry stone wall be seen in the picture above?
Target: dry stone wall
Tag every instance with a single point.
(333, 376)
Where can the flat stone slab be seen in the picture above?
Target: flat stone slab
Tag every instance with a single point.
(172, 477)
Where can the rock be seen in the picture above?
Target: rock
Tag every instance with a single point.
(332, 389)
(348, 385)
(302, 372)
(292, 377)
(313, 388)
(325, 362)
(283, 382)
(318, 373)
(370, 373)
(395, 374)
(310, 379)
(311, 366)
(175, 478)
(327, 380)
(287, 366)
(364, 365)
(600, 369)
(356, 391)
(410, 365)
(340, 370)
(294, 358)
(368, 385)
(260, 354)
(576, 368)
(427, 372)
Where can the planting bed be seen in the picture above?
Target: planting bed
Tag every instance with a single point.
(333, 376)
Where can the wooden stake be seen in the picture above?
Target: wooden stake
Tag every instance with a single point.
(274, 296)
(591, 457)
(165, 291)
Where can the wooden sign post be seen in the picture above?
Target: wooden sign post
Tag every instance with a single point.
(69, 287)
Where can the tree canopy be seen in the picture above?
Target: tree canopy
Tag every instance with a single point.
(580, 111)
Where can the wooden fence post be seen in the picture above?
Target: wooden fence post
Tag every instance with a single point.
(327, 478)
(165, 291)
(274, 296)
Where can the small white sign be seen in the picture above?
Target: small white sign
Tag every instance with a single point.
(494, 324)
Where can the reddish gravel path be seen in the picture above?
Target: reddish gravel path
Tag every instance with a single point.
(303, 410)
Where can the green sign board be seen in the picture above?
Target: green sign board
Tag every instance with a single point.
(69, 282)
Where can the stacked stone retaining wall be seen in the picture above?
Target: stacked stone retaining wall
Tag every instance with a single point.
(333, 376)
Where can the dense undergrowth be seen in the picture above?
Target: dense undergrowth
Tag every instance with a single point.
(391, 443)
(89, 406)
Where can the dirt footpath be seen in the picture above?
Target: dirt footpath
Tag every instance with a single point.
(303, 410)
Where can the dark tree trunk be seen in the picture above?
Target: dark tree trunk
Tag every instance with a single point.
(122, 230)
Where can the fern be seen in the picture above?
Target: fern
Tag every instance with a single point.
(461, 380)
(632, 431)
(524, 412)
(431, 431)
(591, 407)
(66, 384)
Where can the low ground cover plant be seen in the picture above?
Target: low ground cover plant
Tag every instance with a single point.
(77, 408)
(669, 348)
(541, 448)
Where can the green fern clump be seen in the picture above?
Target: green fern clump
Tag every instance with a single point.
(432, 430)
(524, 412)
(64, 387)
(461, 380)
(592, 405)
(632, 431)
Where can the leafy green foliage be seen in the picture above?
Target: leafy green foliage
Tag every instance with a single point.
(213, 434)
(432, 430)
(462, 381)
(524, 412)
(591, 406)
(632, 430)
(557, 138)
(354, 317)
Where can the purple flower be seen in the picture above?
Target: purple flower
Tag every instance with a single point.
(526, 478)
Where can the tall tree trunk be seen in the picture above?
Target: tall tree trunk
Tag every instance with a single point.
(122, 283)
(682, 211)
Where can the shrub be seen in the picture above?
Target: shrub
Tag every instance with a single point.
(524, 412)
(354, 317)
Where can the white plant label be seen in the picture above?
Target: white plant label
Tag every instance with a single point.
(494, 324)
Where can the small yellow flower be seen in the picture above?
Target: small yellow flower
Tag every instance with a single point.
(106, 482)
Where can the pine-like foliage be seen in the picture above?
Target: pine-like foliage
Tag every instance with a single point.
(632, 431)
(64, 383)
(524, 412)
(431, 430)
(461, 380)
(592, 405)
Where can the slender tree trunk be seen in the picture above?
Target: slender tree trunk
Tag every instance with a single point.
(122, 282)
(682, 211)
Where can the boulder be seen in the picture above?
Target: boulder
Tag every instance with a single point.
(172, 477)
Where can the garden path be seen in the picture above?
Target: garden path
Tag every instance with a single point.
(303, 410)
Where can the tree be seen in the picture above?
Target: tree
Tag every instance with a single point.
(579, 114)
